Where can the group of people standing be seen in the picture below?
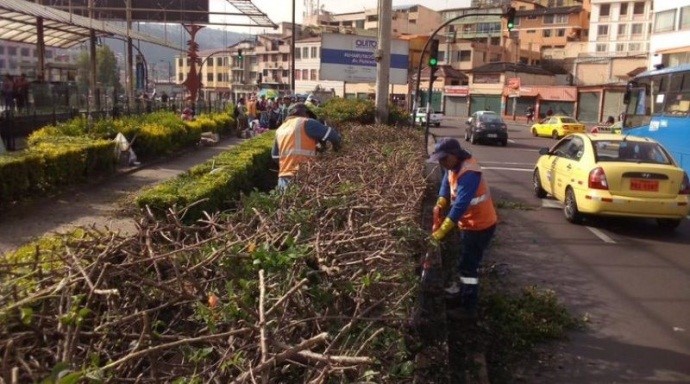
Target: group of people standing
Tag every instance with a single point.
(265, 112)
(15, 93)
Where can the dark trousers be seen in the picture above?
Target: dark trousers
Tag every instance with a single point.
(472, 246)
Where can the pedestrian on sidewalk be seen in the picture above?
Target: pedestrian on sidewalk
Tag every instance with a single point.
(465, 202)
(530, 115)
(297, 140)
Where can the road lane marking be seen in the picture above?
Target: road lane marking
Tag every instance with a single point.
(601, 235)
(548, 203)
(508, 169)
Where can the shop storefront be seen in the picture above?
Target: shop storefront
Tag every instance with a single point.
(597, 103)
(455, 100)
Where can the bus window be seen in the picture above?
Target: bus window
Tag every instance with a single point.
(678, 104)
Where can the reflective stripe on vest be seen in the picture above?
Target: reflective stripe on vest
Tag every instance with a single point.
(294, 145)
(481, 213)
(469, 280)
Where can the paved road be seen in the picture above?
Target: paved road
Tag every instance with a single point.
(97, 204)
(628, 278)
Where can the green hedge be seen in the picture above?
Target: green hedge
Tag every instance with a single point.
(338, 111)
(213, 185)
(54, 162)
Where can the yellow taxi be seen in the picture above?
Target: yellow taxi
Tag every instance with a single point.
(613, 175)
(557, 127)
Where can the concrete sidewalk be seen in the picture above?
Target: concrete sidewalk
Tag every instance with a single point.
(98, 203)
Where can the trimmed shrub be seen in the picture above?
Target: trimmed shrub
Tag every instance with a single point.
(338, 111)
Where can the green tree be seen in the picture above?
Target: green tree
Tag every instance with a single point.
(107, 70)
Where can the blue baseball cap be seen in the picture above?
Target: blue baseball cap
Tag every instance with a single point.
(448, 146)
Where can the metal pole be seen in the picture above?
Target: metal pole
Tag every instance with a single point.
(292, 51)
(130, 60)
(383, 56)
(421, 57)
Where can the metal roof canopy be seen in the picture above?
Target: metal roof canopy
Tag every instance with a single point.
(65, 30)
(61, 29)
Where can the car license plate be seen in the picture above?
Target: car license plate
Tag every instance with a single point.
(492, 135)
(644, 185)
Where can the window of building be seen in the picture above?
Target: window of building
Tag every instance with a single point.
(180, 62)
(285, 73)
(2, 62)
(312, 74)
(548, 19)
(359, 24)
(638, 8)
(298, 53)
(684, 22)
(25, 52)
(560, 32)
(620, 47)
(602, 30)
(219, 61)
(637, 29)
(305, 74)
(49, 54)
(219, 77)
(634, 47)
(209, 77)
(622, 29)
(210, 63)
(465, 55)
(12, 51)
(305, 52)
(546, 33)
(298, 75)
(601, 47)
(371, 18)
(624, 9)
(496, 41)
(561, 19)
(180, 76)
(2, 50)
(665, 21)
(412, 21)
(605, 10)
(285, 57)
(531, 31)
(314, 52)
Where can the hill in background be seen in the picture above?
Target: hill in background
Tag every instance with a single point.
(208, 38)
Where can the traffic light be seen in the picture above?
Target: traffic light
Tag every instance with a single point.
(239, 54)
(433, 54)
(510, 18)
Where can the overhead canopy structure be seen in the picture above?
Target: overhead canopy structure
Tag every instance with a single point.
(61, 29)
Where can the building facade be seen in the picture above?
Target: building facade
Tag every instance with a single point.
(669, 42)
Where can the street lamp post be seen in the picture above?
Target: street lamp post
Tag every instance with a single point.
(421, 60)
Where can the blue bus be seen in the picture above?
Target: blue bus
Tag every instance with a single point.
(658, 107)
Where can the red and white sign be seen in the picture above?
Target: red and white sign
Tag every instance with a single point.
(456, 90)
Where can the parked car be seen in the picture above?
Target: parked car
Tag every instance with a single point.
(613, 175)
(486, 127)
(434, 117)
(557, 127)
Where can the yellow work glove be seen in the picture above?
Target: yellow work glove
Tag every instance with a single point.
(439, 213)
(440, 233)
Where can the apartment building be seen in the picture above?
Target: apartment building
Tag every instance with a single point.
(214, 70)
(244, 69)
(406, 20)
(668, 43)
(620, 28)
(544, 32)
(18, 58)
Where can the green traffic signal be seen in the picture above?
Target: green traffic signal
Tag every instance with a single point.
(510, 26)
(433, 61)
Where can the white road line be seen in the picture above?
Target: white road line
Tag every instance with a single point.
(508, 169)
(547, 203)
(601, 235)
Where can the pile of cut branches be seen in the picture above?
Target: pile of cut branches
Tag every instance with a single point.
(312, 285)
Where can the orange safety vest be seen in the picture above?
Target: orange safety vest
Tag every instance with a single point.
(294, 145)
(481, 213)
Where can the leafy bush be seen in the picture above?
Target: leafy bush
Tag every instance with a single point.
(338, 111)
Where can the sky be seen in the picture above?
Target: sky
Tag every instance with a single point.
(281, 10)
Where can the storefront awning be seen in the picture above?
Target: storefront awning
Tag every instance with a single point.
(674, 50)
(553, 93)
